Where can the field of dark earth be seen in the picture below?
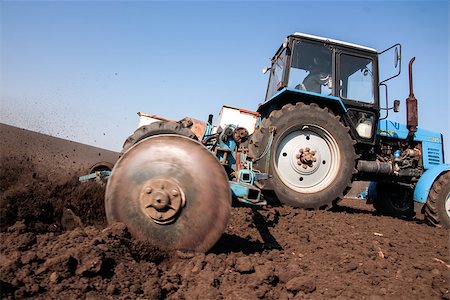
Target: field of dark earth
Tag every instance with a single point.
(55, 243)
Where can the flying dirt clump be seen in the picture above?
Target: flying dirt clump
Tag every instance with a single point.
(42, 205)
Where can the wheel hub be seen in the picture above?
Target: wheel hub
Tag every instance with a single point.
(306, 158)
(162, 200)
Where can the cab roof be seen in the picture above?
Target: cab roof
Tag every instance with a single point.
(346, 44)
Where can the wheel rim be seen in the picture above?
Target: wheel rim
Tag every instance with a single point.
(307, 159)
(401, 199)
(447, 205)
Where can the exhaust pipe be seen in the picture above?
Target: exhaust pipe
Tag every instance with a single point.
(411, 106)
(375, 167)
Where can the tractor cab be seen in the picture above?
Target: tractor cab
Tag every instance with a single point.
(326, 67)
(320, 69)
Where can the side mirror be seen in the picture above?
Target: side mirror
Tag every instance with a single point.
(384, 59)
(265, 69)
(396, 105)
(397, 57)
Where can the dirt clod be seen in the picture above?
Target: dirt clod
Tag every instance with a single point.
(302, 284)
(244, 265)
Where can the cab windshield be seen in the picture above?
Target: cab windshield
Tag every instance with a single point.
(311, 68)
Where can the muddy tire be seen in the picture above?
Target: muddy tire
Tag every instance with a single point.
(156, 128)
(437, 208)
(312, 157)
(394, 200)
(170, 191)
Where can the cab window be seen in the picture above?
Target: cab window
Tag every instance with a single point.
(276, 74)
(356, 78)
(311, 68)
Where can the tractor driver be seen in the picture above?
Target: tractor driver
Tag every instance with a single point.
(319, 75)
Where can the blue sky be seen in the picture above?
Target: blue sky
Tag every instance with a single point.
(82, 70)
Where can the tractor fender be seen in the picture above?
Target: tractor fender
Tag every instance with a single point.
(425, 182)
(285, 96)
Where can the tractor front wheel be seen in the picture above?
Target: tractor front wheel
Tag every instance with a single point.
(394, 200)
(170, 191)
(437, 209)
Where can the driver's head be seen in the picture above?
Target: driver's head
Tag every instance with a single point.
(321, 62)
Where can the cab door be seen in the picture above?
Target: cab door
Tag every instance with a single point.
(357, 86)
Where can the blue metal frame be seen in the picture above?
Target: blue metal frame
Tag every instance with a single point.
(229, 146)
(250, 178)
(241, 191)
(95, 175)
(208, 130)
(400, 131)
(425, 182)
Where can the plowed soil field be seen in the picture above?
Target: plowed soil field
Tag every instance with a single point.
(55, 243)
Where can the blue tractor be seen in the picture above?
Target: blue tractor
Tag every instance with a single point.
(320, 128)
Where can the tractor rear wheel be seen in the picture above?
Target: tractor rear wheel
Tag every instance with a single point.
(170, 191)
(437, 209)
(311, 159)
(156, 128)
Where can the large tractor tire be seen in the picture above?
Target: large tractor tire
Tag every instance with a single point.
(437, 209)
(394, 200)
(312, 157)
(156, 128)
(170, 191)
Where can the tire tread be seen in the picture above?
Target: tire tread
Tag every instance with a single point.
(433, 211)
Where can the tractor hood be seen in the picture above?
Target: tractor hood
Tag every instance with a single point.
(431, 141)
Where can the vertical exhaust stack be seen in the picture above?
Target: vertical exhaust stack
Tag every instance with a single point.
(411, 105)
